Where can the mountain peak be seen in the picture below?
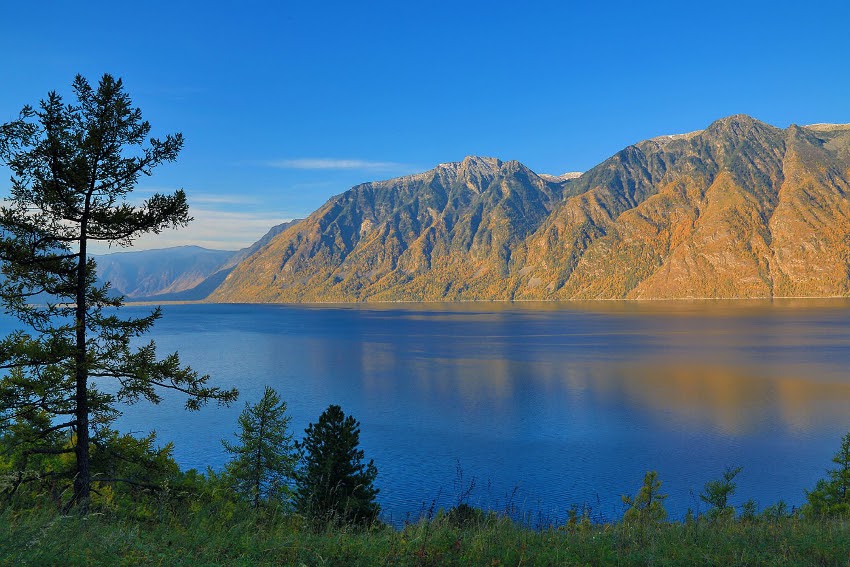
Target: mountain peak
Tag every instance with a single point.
(474, 169)
(482, 161)
(473, 163)
(738, 124)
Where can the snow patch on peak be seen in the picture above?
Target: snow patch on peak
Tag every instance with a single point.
(670, 137)
(563, 177)
(826, 127)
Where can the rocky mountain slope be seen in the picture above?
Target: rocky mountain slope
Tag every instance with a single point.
(740, 209)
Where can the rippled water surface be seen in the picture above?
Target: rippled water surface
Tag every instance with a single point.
(543, 405)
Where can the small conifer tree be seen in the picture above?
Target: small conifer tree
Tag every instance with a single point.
(264, 457)
(716, 494)
(831, 496)
(648, 506)
(334, 485)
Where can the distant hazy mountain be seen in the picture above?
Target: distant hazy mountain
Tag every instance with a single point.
(183, 273)
(740, 209)
(154, 272)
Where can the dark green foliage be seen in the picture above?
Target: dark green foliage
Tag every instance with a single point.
(831, 496)
(648, 506)
(748, 510)
(126, 471)
(578, 518)
(334, 486)
(464, 515)
(717, 492)
(778, 511)
(73, 168)
(263, 462)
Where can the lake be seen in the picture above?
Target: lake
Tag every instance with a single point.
(540, 406)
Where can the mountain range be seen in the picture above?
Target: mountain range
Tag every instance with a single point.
(740, 209)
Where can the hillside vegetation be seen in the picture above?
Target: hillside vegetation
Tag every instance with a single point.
(202, 537)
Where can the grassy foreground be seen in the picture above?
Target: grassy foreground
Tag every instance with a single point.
(43, 538)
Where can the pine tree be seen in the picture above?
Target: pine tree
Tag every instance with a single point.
(73, 167)
(831, 496)
(716, 494)
(333, 484)
(264, 459)
(648, 506)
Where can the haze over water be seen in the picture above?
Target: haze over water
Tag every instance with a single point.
(545, 405)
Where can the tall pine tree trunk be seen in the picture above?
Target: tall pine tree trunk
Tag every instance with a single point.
(82, 480)
(258, 466)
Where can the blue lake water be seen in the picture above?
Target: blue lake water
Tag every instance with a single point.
(543, 405)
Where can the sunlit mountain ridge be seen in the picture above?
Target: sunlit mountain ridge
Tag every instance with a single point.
(739, 209)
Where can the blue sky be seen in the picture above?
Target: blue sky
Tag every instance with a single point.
(284, 104)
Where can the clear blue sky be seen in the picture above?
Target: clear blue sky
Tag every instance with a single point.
(284, 104)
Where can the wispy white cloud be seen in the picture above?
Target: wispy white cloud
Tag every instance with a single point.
(141, 194)
(223, 199)
(218, 230)
(335, 163)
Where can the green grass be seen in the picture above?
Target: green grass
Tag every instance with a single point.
(203, 538)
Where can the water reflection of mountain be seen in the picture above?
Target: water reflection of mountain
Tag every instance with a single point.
(735, 400)
(721, 384)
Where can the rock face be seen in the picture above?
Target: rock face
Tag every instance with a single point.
(740, 209)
